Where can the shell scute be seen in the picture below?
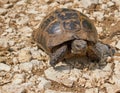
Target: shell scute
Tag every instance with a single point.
(54, 28)
(72, 25)
(87, 25)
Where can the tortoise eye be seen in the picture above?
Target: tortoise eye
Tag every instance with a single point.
(87, 25)
(54, 28)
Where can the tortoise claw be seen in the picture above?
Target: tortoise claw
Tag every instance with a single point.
(52, 63)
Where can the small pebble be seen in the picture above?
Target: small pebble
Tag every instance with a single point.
(98, 15)
(3, 11)
(92, 90)
(44, 84)
(24, 56)
(104, 6)
(27, 67)
(112, 88)
(53, 91)
(87, 3)
(3, 1)
(18, 79)
(118, 44)
(4, 67)
(110, 3)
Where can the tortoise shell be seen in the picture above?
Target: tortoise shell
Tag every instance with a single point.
(63, 25)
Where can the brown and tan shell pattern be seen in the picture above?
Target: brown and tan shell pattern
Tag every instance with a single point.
(64, 25)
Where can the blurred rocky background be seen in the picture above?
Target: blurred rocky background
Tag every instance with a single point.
(24, 68)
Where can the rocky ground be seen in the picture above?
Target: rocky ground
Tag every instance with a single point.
(24, 68)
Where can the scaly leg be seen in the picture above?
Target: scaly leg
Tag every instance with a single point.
(58, 55)
(100, 52)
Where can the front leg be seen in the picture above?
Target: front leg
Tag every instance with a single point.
(104, 50)
(58, 55)
(100, 51)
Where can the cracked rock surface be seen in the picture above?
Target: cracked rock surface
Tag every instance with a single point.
(25, 68)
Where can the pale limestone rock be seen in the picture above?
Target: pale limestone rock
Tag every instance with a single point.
(110, 3)
(99, 15)
(13, 1)
(53, 91)
(116, 79)
(104, 6)
(27, 31)
(3, 2)
(21, 2)
(6, 1)
(112, 88)
(3, 11)
(9, 30)
(16, 68)
(82, 81)
(88, 84)
(27, 67)
(4, 42)
(117, 2)
(11, 42)
(92, 90)
(87, 3)
(67, 82)
(101, 1)
(47, 1)
(60, 75)
(9, 5)
(13, 88)
(32, 11)
(4, 67)
(18, 78)
(44, 84)
(99, 29)
(75, 74)
(117, 14)
(15, 60)
(118, 44)
(24, 19)
(86, 75)
(37, 64)
(100, 75)
(38, 54)
(33, 79)
(3, 59)
(24, 56)
(117, 67)
(108, 68)
(97, 76)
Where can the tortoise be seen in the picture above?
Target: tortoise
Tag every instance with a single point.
(67, 32)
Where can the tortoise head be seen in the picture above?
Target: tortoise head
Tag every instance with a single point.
(79, 47)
